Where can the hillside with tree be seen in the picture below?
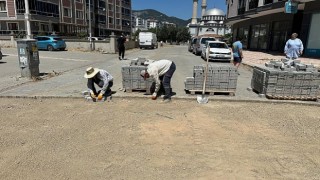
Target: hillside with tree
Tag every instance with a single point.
(153, 14)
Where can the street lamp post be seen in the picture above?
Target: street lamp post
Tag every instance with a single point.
(90, 34)
(27, 18)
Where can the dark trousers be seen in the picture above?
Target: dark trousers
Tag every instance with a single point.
(166, 81)
(122, 50)
(92, 81)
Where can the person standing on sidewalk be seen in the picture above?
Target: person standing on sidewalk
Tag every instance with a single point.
(294, 47)
(100, 77)
(162, 69)
(237, 52)
(121, 41)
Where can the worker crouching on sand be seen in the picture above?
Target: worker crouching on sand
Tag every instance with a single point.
(162, 69)
(100, 77)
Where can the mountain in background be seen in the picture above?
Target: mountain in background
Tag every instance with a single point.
(153, 14)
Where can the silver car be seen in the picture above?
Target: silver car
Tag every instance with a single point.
(201, 41)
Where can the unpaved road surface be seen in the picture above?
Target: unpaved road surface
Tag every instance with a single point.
(144, 139)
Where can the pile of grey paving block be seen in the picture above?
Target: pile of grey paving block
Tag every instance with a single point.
(131, 79)
(220, 78)
(286, 78)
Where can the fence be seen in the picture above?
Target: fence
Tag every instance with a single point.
(106, 46)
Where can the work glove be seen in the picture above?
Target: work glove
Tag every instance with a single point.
(100, 96)
(154, 96)
(93, 95)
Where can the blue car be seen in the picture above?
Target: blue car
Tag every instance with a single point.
(50, 43)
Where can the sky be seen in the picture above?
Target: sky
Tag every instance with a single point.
(179, 8)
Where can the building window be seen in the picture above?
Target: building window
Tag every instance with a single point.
(13, 26)
(102, 5)
(44, 27)
(3, 6)
(253, 4)
(102, 19)
(242, 7)
(118, 21)
(117, 9)
(110, 7)
(79, 1)
(38, 7)
(259, 36)
(67, 12)
(79, 14)
(110, 20)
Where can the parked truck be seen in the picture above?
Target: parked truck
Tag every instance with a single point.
(148, 40)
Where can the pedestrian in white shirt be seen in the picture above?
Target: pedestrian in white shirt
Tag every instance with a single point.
(162, 69)
(100, 77)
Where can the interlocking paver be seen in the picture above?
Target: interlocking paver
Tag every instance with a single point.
(253, 58)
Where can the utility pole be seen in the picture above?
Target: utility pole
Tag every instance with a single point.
(27, 18)
(90, 34)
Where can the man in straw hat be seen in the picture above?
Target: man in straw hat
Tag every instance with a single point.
(100, 77)
(162, 69)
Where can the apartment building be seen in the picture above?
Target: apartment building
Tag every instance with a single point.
(265, 26)
(67, 17)
(152, 23)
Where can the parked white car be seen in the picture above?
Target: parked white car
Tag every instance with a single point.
(218, 51)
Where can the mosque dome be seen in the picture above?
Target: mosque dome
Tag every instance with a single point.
(214, 12)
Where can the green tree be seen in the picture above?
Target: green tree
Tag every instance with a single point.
(172, 33)
(183, 35)
(163, 34)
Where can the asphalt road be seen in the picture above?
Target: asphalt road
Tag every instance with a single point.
(69, 67)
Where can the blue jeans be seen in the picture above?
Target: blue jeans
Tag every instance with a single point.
(166, 81)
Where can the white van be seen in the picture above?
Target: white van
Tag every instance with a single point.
(148, 40)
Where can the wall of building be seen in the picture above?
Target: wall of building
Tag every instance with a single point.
(79, 45)
(310, 29)
(232, 8)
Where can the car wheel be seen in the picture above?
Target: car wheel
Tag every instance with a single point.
(62, 49)
(50, 48)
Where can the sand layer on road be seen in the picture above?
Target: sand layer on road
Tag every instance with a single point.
(144, 139)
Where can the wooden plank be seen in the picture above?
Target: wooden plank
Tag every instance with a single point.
(211, 92)
(138, 90)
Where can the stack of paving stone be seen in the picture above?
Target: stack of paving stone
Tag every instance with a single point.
(220, 78)
(131, 79)
(286, 79)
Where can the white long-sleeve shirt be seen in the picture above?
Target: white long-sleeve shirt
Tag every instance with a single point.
(103, 76)
(157, 69)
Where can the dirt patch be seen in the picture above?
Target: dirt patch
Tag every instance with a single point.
(144, 139)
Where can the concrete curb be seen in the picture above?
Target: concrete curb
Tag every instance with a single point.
(266, 101)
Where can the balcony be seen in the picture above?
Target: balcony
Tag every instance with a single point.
(253, 4)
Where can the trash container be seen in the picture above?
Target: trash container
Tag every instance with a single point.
(28, 56)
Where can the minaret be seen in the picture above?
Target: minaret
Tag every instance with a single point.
(194, 12)
(203, 7)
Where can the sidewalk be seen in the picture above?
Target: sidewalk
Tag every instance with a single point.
(253, 58)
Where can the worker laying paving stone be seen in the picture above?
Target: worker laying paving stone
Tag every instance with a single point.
(162, 69)
(101, 78)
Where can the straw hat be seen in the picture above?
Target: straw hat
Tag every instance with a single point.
(91, 72)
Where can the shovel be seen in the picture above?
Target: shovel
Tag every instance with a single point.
(203, 99)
